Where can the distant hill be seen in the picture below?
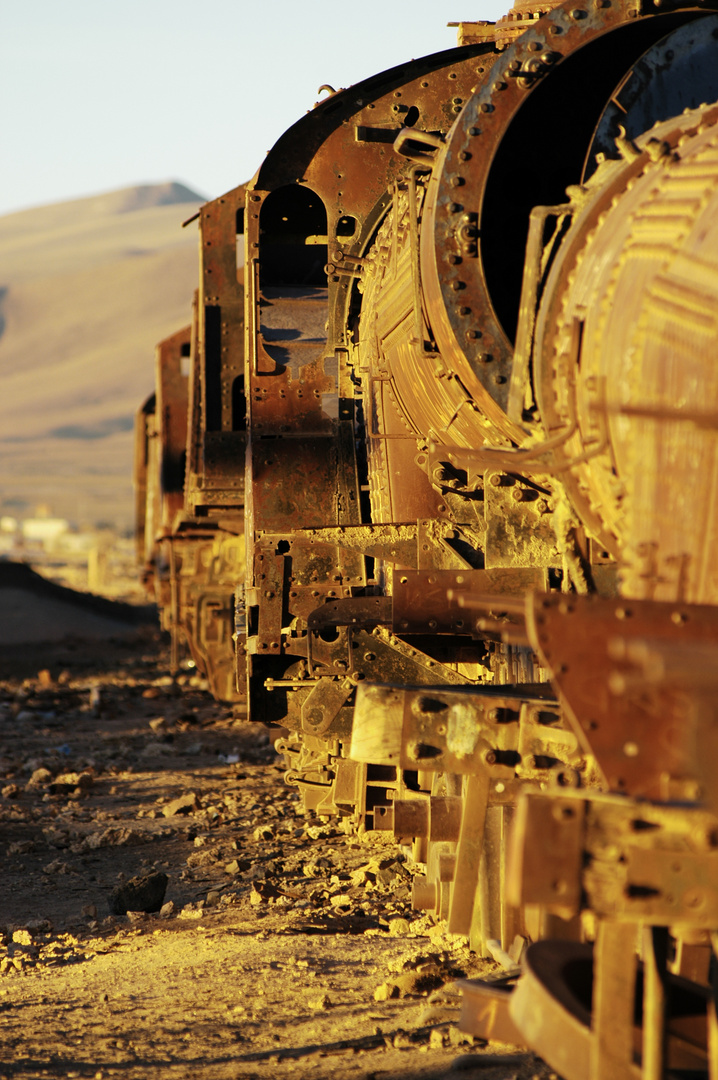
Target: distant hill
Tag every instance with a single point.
(87, 288)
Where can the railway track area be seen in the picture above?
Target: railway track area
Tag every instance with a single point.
(282, 946)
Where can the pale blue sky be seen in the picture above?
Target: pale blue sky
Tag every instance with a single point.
(101, 94)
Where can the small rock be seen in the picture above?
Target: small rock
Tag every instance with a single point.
(392, 875)
(10, 791)
(44, 677)
(39, 926)
(402, 1041)
(436, 1039)
(323, 1002)
(167, 909)
(146, 892)
(261, 892)
(22, 937)
(39, 777)
(342, 902)
(151, 692)
(386, 991)
(201, 858)
(158, 723)
(57, 867)
(399, 927)
(460, 1038)
(213, 899)
(83, 780)
(192, 911)
(186, 804)
(319, 832)
(419, 982)
(264, 832)
(89, 911)
(21, 847)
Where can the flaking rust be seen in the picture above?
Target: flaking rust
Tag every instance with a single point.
(471, 545)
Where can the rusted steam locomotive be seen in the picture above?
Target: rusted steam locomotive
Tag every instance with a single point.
(451, 460)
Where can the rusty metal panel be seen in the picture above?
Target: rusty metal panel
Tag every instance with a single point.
(519, 524)
(218, 410)
(171, 380)
(638, 728)
(293, 482)
(429, 601)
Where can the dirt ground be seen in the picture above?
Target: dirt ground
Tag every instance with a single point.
(284, 946)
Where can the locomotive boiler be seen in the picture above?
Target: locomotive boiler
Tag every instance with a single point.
(477, 501)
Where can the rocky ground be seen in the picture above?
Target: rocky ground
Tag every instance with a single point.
(282, 947)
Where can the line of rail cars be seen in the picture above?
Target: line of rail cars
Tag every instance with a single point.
(461, 433)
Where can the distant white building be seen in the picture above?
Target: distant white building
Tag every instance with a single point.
(44, 530)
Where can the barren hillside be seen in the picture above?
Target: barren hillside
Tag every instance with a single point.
(86, 290)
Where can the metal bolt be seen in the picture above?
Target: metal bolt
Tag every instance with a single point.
(464, 155)
(487, 107)
(499, 379)
(453, 259)
(464, 311)
(485, 358)
(456, 208)
(519, 494)
(472, 335)
(496, 480)
(542, 506)
(457, 181)
(458, 285)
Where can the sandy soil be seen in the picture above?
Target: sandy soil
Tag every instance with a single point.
(285, 947)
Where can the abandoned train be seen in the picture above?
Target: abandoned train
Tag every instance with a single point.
(429, 482)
